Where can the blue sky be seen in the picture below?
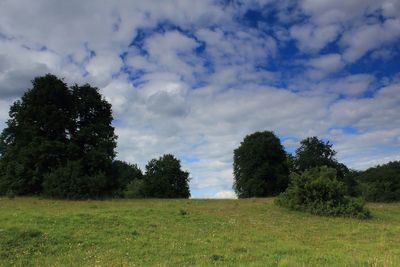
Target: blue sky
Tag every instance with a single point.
(193, 78)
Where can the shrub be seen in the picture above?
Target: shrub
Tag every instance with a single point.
(135, 189)
(319, 192)
(124, 174)
(69, 182)
(10, 194)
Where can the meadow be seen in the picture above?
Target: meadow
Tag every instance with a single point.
(246, 232)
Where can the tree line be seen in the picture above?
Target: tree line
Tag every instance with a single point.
(312, 179)
(59, 142)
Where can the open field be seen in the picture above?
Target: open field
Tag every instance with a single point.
(252, 232)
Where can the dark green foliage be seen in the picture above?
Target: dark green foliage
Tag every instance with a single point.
(165, 179)
(291, 162)
(70, 182)
(52, 128)
(314, 152)
(381, 183)
(259, 166)
(93, 138)
(37, 135)
(351, 182)
(10, 194)
(125, 174)
(319, 192)
(135, 189)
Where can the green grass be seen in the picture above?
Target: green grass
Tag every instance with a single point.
(252, 232)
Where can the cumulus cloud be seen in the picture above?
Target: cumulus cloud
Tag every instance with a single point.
(193, 78)
(313, 38)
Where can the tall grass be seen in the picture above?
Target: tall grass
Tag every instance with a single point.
(251, 232)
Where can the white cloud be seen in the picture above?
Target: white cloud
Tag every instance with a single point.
(198, 80)
(351, 85)
(312, 38)
(365, 38)
(324, 65)
(225, 195)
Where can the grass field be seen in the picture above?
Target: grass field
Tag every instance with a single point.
(251, 232)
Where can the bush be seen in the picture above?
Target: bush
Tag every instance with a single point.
(10, 194)
(124, 174)
(135, 189)
(69, 182)
(319, 192)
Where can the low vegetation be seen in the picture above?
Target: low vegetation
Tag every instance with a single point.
(244, 232)
(318, 191)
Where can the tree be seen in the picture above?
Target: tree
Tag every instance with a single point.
(319, 192)
(165, 179)
(259, 166)
(93, 140)
(37, 135)
(381, 183)
(314, 152)
(55, 127)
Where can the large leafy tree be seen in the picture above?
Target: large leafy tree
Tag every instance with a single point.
(37, 135)
(314, 152)
(260, 166)
(93, 140)
(165, 179)
(54, 127)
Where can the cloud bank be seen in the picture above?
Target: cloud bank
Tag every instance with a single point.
(193, 78)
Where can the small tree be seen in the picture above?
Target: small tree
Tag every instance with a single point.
(165, 179)
(314, 152)
(259, 166)
(319, 192)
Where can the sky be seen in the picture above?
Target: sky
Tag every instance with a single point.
(194, 77)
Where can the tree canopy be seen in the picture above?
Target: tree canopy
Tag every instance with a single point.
(165, 179)
(314, 152)
(55, 135)
(381, 183)
(259, 166)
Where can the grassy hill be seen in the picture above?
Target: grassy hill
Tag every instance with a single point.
(251, 232)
